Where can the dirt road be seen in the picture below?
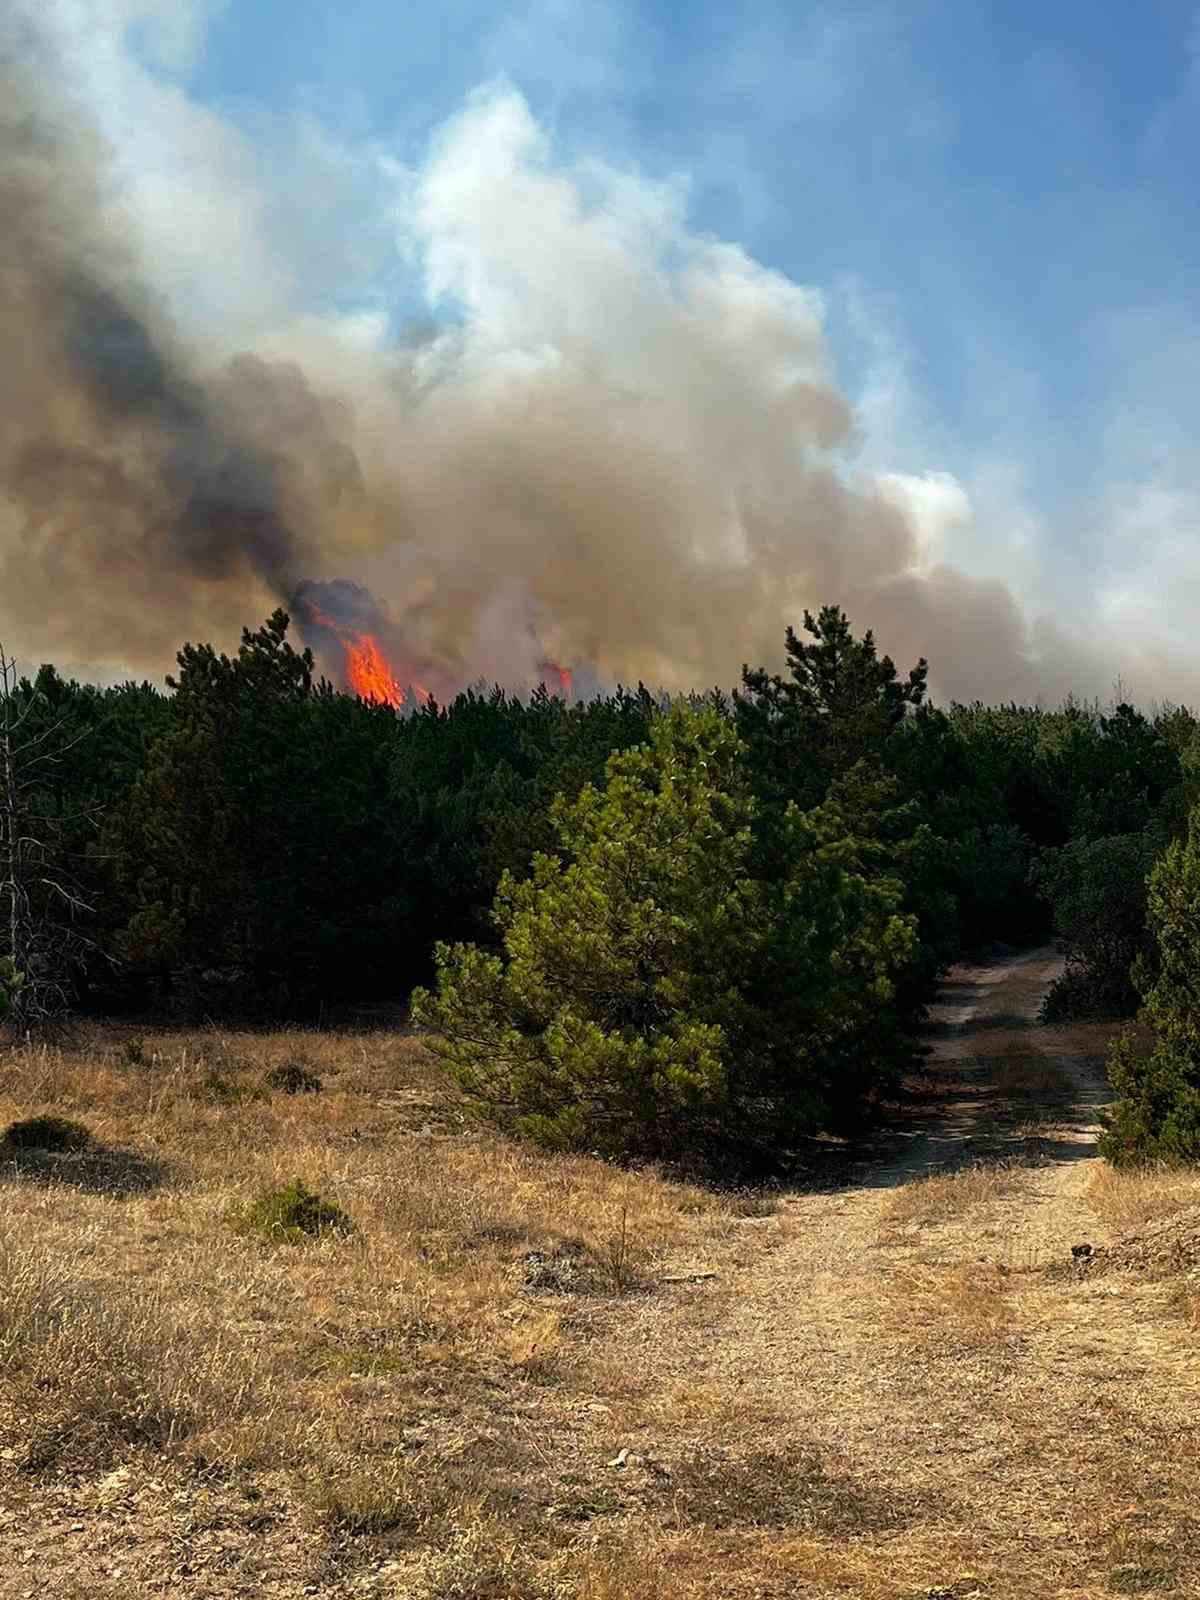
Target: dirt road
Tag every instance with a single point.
(1034, 1425)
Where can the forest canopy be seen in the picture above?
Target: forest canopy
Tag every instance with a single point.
(635, 923)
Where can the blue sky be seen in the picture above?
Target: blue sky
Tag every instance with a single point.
(1006, 184)
(1005, 180)
(996, 205)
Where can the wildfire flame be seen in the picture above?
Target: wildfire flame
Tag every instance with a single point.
(564, 678)
(368, 670)
(351, 615)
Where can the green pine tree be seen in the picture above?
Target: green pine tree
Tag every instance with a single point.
(256, 847)
(1157, 1111)
(839, 704)
(653, 995)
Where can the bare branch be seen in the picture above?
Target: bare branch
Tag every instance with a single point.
(43, 904)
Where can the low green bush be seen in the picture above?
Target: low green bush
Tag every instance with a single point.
(220, 1089)
(293, 1214)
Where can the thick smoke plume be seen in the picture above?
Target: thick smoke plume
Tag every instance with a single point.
(621, 447)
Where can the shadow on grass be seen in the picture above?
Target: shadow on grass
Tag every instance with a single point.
(96, 1170)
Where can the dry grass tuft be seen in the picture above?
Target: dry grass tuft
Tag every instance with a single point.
(482, 1561)
(1184, 1300)
(1164, 1248)
(360, 1494)
(96, 1372)
(1126, 1197)
(1021, 1074)
(792, 1488)
(634, 1570)
(949, 1308)
(945, 1196)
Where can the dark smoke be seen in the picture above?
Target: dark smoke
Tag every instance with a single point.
(146, 496)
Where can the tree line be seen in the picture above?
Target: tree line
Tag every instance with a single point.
(638, 924)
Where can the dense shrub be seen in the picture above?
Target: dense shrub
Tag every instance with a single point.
(655, 996)
(1097, 888)
(1157, 1112)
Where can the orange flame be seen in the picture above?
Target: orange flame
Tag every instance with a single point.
(565, 678)
(368, 671)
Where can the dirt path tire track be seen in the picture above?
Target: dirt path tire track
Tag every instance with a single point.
(961, 1363)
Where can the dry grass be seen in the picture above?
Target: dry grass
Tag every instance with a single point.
(412, 1385)
(1184, 1301)
(487, 1391)
(1022, 1074)
(94, 1371)
(787, 1486)
(949, 1307)
(1129, 1196)
(946, 1196)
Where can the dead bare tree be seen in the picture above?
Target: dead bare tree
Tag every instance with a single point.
(44, 912)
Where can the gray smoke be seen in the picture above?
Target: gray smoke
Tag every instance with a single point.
(139, 496)
(625, 450)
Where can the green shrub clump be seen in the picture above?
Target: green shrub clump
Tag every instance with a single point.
(291, 1078)
(1157, 1112)
(57, 1134)
(293, 1214)
(1097, 888)
(688, 978)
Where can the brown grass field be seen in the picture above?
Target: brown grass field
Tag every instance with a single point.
(522, 1377)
